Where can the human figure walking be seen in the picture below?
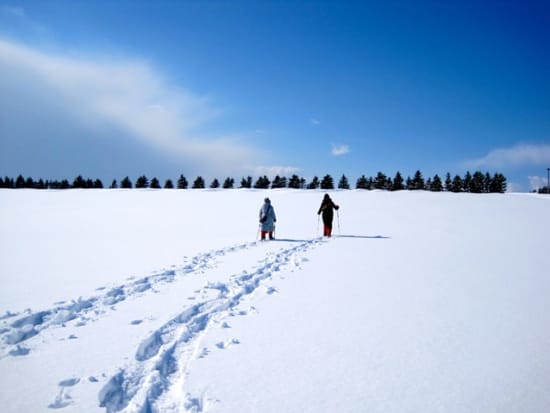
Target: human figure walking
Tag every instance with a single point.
(327, 209)
(267, 219)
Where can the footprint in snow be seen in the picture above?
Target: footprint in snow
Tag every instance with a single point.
(69, 382)
(223, 345)
(19, 351)
(271, 290)
(64, 399)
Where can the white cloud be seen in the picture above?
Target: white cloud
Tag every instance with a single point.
(339, 150)
(130, 96)
(519, 155)
(272, 171)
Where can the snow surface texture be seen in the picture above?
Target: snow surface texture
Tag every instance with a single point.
(164, 301)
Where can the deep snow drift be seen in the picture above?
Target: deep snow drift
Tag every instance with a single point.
(163, 301)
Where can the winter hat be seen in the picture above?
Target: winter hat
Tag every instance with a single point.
(267, 200)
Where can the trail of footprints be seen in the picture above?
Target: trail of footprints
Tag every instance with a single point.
(153, 382)
(17, 328)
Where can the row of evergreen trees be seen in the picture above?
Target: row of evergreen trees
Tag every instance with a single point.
(477, 182)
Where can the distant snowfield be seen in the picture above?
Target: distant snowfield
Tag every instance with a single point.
(163, 301)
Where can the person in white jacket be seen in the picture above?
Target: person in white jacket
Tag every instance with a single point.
(267, 219)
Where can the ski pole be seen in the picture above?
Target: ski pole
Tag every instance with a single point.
(338, 219)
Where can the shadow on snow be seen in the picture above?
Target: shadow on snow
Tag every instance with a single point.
(362, 236)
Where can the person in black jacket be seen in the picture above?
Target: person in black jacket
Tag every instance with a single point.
(327, 208)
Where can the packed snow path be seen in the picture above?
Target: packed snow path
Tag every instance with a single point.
(217, 285)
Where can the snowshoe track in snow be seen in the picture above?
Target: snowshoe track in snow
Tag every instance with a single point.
(155, 380)
(17, 328)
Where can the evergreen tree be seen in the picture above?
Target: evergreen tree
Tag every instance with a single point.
(327, 182)
(126, 183)
(418, 181)
(79, 182)
(343, 183)
(398, 182)
(182, 182)
(380, 181)
(467, 183)
(278, 182)
(198, 183)
(114, 184)
(228, 183)
(40, 184)
(215, 184)
(262, 182)
(64, 184)
(428, 185)
(29, 182)
(98, 184)
(448, 182)
(408, 183)
(155, 184)
(20, 182)
(362, 183)
(498, 184)
(295, 182)
(477, 183)
(437, 184)
(246, 182)
(142, 182)
(314, 184)
(458, 184)
(9, 183)
(168, 184)
(487, 183)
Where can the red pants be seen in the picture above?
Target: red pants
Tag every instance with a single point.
(266, 232)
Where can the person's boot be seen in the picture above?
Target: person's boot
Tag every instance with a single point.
(271, 235)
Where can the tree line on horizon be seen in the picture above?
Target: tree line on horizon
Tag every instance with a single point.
(477, 182)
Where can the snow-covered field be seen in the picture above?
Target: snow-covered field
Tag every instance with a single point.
(163, 301)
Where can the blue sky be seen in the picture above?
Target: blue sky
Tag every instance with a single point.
(235, 88)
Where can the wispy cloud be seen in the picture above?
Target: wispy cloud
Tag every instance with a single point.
(314, 121)
(272, 171)
(518, 155)
(131, 96)
(339, 150)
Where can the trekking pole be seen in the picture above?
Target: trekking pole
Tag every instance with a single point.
(338, 219)
(258, 232)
